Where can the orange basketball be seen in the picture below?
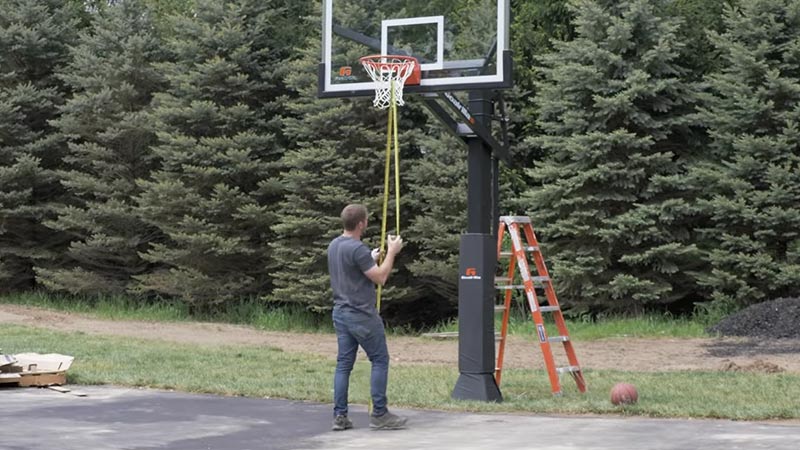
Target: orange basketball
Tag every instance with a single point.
(624, 394)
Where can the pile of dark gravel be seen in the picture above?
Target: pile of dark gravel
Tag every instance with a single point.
(773, 319)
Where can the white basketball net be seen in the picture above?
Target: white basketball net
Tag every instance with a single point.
(386, 72)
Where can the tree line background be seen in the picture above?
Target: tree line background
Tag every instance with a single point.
(175, 150)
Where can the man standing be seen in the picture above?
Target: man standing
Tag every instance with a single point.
(354, 273)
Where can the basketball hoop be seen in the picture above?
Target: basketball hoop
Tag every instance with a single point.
(391, 72)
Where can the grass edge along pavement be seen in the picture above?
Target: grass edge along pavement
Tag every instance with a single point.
(268, 372)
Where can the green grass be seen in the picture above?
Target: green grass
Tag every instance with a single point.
(267, 372)
(646, 326)
(113, 307)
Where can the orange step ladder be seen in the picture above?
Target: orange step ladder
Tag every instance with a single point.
(519, 260)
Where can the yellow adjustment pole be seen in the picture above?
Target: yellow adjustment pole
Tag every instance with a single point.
(392, 125)
(396, 169)
(391, 133)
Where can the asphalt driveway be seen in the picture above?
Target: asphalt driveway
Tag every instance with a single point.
(112, 418)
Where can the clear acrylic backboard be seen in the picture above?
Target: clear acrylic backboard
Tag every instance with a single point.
(460, 44)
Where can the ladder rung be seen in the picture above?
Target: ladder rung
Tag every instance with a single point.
(568, 369)
(499, 280)
(502, 283)
(517, 219)
(558, 339)
(531, 248)
(511, 286)
(498, 308)
(549, 308)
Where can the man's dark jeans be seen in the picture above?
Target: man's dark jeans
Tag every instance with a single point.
(354, 328)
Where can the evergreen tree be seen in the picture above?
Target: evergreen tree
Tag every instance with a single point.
(437, 194)
(699, 17)
(536, 24)
(34, 36)
(113, 78)
(610, 209)
(750, 189)
(218, 141)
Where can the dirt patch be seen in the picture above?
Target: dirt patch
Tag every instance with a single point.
(752, 347)
(777, 319)
(646, 355)
(757, 366)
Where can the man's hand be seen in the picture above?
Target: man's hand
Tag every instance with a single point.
(395, 244)
(380, 273)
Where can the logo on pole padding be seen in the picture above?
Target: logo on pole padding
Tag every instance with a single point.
(471, 274)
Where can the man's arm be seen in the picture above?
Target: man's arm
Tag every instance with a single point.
(380, 273)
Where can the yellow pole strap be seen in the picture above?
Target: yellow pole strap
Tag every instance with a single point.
(396, 169)
(391, 138)
(391, 133)
(386, 168)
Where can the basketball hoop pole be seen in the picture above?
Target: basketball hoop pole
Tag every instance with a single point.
(478, 255)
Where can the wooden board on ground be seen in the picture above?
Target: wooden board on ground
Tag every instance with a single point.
(42, 379)
(59, 389)
(9, 378)
(442, 335)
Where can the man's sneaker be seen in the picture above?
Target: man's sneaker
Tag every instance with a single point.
(387, 421)
(341, 423)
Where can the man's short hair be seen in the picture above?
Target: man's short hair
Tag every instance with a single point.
(352, 215)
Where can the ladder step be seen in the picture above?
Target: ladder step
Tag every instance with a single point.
(531, 248)
(549, 308)
(517, 219)
(503, 283)
(568, 369)
(558, 339)
(498, 308)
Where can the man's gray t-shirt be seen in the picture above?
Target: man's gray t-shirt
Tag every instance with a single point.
(348, 259)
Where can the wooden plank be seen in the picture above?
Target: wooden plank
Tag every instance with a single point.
(9, 378)
(59, 389)
(6, 360)
(42, 379)
(13, 368)
(442, 335)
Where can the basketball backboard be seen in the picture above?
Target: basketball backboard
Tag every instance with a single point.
(460, 44)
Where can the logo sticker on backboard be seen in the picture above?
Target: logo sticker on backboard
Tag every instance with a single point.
(346, 74)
